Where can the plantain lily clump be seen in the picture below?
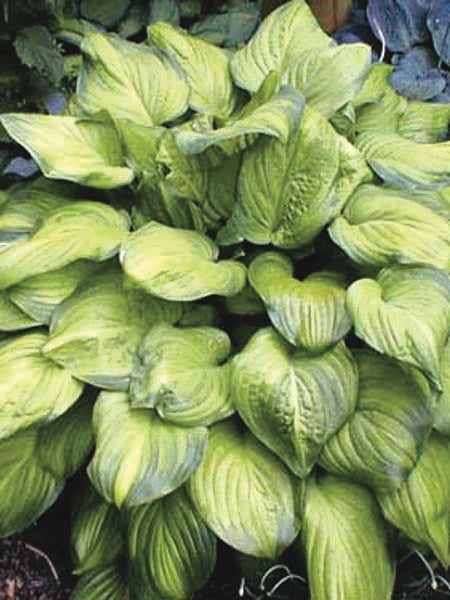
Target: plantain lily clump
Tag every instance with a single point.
(227, 301)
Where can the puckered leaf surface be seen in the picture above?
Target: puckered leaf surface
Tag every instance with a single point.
(292, 401)
(172, 552)
(139, 457)
(130, 81)
(177, 264)
(394, 413)
(345, 541)
(405, 163)
(95, 333)
(259, 517)
(96, 536)
(33, 389)
(420, 507)
(180, 373)
(379, 227)
(309, 313)
(80, 149)
(404, 313)
(35, 463)
(82, 229)
(279, 42)
(205, 66)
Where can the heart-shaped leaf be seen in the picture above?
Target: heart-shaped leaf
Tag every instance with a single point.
(172, 552)
(95, 333)
(130, 81)
(33, 389)
(139, 457)
(180, 373)
(83, 229)
(260, 516)
(421, 505)
(379, 227)
(93, 146)
(292, 401)
(345, 541)
(309, 313)
(404, 313)
(394, 413)
(177, 264)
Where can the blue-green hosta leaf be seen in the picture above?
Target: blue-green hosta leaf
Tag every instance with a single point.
(379, 227)
(404, 313)
(276, 118)
(130, 81)
(286, 191)
(83, 229)
(177, 264)
(35, 463)
(345, 542)
(277, 44)
(329, 77)
(309, 313)
(96, 536)
(39, 296)
(420, 507)
(95, 333)
(33, 389)
(442, 412)
(292, 401)
(172, 552)
(230, 28)
(103, 583)
(260, 516)
(205, 66)
(139, 457)
(404, 163)
(180, 373)
(380, 444)
(80, 149)
(11, 317)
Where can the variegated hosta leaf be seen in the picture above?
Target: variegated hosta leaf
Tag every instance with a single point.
(11, 317)
(276, 118)
(35, 463)
(381, 226)
(421, 506)
(80, 149)
(81, 229)
(205, 66)
(442, 412)
(292, 401)
(278, 43)
(309, 313)
(39, 296)
(96, 536)
(33, 389)
(380, 444)
(178, 264)
(22, 215)
(286, 191)
(404, 163)
(172, 552)
(95, 333)
(404, 313)
(103, 583)
(329, 77)
(130, 81)
(180, 373)
(139, 457)
(259, 517)
(345, 542)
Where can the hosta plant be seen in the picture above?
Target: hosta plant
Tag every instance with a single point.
(227, 302)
